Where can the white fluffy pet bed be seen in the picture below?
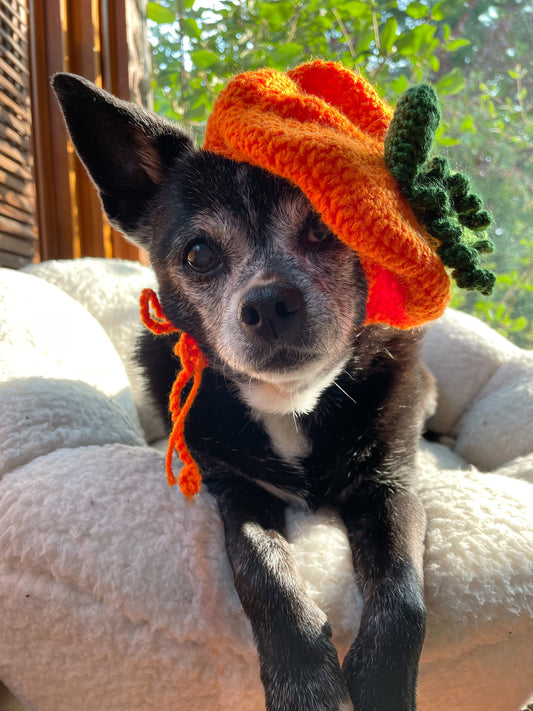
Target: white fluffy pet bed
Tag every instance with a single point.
(115, 592)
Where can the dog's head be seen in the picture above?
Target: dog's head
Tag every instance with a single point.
(244, 262)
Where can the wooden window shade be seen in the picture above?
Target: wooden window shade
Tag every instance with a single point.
(87, 37)
(17, 204)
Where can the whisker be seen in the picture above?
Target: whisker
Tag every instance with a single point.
(345, 393)
(295, 419)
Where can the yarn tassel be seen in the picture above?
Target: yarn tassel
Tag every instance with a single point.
(193, 362)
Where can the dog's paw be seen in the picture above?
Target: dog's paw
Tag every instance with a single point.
(308, 679)
(378, 687)
(309, 702)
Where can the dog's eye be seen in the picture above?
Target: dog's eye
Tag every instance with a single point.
(318, 232)
(202, 258)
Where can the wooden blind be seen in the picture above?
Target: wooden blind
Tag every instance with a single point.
(17, 205)
(87, 37)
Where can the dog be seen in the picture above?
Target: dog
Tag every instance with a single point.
(302, 403)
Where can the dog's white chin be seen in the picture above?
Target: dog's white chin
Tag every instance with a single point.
(284, 393)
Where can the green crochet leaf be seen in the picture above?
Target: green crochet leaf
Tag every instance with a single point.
(441, 200)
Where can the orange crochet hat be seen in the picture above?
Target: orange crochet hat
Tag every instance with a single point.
(323, 127)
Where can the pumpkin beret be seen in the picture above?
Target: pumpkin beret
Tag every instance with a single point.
(325, 128)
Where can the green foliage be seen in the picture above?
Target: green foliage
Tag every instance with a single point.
(476, 55)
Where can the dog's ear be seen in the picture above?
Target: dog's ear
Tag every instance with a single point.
(127, 150)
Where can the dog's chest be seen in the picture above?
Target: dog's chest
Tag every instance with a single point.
(287, 437)
(290, 444)
(306, 459)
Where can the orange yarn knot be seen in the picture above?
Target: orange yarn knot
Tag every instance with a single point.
(193, 362)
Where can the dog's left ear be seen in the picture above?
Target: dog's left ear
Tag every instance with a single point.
(126, 149)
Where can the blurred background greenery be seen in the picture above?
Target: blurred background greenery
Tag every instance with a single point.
(478, 54)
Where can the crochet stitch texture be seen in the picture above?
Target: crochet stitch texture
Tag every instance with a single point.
(323, 127)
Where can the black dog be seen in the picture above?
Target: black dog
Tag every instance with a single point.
(301, 403)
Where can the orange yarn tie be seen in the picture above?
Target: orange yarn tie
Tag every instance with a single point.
(193, 362)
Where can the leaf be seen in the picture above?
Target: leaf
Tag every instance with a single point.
(160, 14)
(363, 43)
(199, 98)
(355, 8)
(426, 33)
(443, 9)
(468, 125)
(276, 13)
(388, 34)
(449, 142)
(410, 43)
(455, 44)
(325, 22)
(434, 62)
(191, 28)
(400, 84)
(505, 280)
(451, 83)
(197, 114)
(518, 324)
(417, 10)
(203, 58)
(286, 53)
(438, 12)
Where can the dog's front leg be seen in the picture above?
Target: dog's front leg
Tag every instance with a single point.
(299, 666)
(386, 528)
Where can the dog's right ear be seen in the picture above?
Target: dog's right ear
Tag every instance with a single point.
(127, 150)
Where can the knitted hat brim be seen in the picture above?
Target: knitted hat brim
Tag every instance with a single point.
(322, 127)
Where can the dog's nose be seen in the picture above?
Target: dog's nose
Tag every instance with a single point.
(272, 311)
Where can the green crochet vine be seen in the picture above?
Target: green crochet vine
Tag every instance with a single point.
(441, 200)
